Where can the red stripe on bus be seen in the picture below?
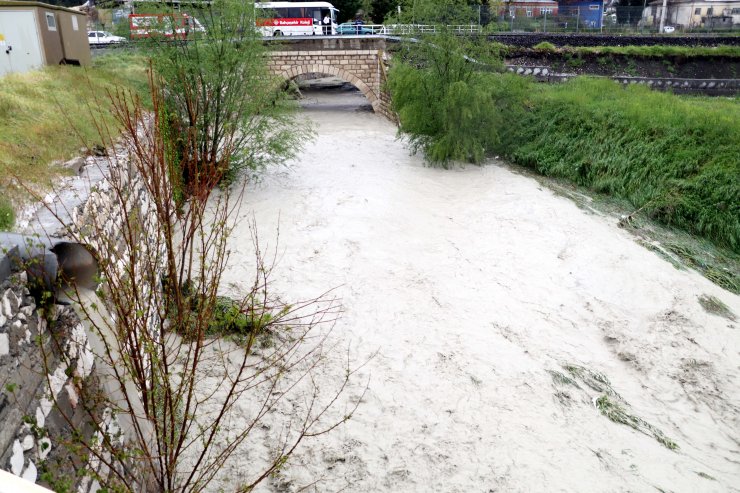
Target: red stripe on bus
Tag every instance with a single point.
(286, 22)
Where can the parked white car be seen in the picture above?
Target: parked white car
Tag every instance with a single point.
(668, 29)
(99, 38)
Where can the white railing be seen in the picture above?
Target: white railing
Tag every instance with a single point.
(403, 29)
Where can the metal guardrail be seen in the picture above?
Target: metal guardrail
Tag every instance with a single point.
(402, 29)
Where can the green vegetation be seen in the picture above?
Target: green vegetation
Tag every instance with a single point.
(447, 107)
(674, 158)
(7, 214)
(545, 47)
(238, 320)
(209, 111)
(591, 378)
(49, 114)
(609, 403)
(562, 379)
(656, 51)
(618, 414)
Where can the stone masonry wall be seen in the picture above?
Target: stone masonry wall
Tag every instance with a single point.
(41, 365)
(45, 362)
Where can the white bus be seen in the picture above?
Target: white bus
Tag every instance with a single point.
(295, 18)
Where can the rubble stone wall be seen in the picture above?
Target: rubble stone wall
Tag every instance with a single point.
(46, 364)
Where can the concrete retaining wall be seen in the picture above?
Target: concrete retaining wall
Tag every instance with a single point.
(532, 39)
(714, 87)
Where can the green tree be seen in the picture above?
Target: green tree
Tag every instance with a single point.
(445, 12)
(381, 9)
(347, 9)
(446, 99)
(221, 98)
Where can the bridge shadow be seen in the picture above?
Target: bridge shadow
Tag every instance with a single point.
(319, 92)
(306, 73)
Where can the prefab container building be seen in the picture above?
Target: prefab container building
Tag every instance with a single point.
(34, 34)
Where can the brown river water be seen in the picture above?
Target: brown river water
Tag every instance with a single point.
(492, 315)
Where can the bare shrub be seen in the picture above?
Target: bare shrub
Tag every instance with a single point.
(163, 411)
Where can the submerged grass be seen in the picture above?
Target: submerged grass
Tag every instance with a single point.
(49, 114)
(714, 305)
(681, 249)
(617, 413)
(593, 379)
(609, 402)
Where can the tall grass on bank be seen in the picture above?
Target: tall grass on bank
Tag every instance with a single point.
(49, 114)
(678, 158)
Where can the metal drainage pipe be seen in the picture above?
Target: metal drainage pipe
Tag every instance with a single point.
(51, 264)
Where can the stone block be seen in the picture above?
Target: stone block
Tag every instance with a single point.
(4, 345)
(75, 164)
(30, 474)
(27, 442)
(17, 459)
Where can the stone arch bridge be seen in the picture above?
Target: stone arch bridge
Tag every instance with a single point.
(361, 61)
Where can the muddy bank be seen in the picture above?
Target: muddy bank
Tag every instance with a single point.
(508, 332)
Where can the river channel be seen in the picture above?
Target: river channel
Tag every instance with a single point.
(492, 315)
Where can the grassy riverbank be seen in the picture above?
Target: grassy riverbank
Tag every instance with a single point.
(676, 158)
(47, 115)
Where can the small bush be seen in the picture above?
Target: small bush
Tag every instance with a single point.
(229, 318)
(545, 47)
(7, 215)
(444, 100)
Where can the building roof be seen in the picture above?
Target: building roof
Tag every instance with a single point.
(697, 2)
(13, 3)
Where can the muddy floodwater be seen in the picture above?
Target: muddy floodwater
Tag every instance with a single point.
(508, 331)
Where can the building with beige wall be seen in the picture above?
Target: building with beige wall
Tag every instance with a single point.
(34, 34)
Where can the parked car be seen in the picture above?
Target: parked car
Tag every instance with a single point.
(352, 28)
(101, 38)
(668, 29)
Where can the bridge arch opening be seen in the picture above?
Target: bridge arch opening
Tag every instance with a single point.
(332, 71)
